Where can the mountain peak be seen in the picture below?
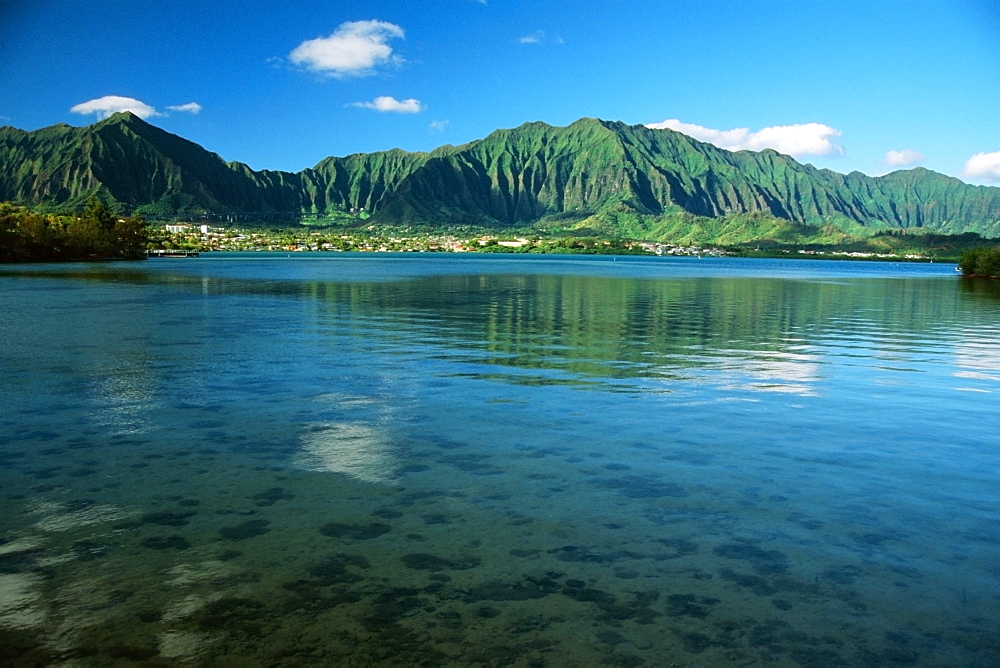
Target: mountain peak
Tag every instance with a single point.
(123, 118)
(631, 177)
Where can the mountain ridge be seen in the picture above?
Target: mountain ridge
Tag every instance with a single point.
(605, 175)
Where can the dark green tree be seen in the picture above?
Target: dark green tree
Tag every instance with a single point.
(981, 262)
(97, 211)
(94, 233)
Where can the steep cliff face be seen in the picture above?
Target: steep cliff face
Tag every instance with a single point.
(590, 170)
(592, 167)
(133, 162)
(360, 181)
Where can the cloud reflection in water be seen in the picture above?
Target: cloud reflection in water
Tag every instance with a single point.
(773, 371)
(358, 450)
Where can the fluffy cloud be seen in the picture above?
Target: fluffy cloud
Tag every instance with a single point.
(387, 103)
(439, 125)
(795, 140)
(189, 108)
(104, 107)
(904, 158)
(354, 49)
(983, 166)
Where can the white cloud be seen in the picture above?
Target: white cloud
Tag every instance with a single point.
(103, 107)
(983, 166)
(387, 103)
(355, 48)
(439, 125)
(189, 108)
(795, 140)
(903, 158)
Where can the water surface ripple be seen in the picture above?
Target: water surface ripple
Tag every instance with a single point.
(427, 460)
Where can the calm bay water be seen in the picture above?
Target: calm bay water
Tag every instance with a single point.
(447, 460)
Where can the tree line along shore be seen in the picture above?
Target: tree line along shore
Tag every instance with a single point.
(97, 232)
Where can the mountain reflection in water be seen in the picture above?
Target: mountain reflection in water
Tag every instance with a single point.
(379, 460)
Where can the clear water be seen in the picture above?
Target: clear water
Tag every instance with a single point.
(401, 460)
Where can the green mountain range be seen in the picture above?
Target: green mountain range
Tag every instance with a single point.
(609, 177)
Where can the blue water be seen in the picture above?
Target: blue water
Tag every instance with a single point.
(377, 459)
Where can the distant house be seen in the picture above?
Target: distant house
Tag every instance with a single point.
(178, 229)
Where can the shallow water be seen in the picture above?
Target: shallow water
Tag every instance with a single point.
(447, 460)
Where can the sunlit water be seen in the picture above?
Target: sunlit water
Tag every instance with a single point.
(355, 460)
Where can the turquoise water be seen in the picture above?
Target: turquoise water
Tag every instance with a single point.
(448, 460)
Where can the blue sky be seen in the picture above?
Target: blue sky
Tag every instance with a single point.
(847, 85)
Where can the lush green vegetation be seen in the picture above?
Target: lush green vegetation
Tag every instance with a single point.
(894, 244)
(93, 233)
(593, 177)
(983, 262)
(97, 232)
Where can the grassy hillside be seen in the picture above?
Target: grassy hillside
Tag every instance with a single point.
(612, 178)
